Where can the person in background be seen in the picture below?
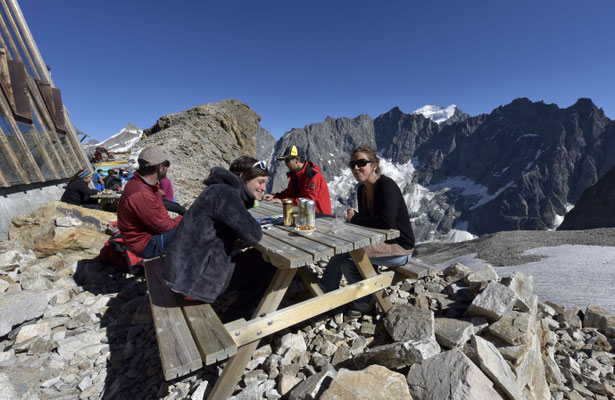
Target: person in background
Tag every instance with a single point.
(203, 262)
(79, 192)
(112, 182)
(99, 183)
(305, 180)
(166, 188)
(381, 205)
(143, 221)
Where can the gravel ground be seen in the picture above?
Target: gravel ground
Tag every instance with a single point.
(570, 268)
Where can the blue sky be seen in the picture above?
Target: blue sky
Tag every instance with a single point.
(297, 62)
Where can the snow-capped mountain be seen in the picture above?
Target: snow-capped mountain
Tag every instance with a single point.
(121, 142)
(436, 113)
(519, 167)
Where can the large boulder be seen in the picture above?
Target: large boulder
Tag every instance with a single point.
(450, 375)
(59, 227)
(374, 382)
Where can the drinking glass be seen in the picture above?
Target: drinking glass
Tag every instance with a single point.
(340, 217)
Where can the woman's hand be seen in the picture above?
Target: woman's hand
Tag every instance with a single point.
(349, 214)
(268, 197)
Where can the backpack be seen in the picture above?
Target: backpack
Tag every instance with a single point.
(116, 251)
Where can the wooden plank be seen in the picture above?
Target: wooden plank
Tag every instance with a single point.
(178, 352)
(359, 240)
(416, 269)
(339, 245)
(211, 337)
(317, 250)
(367, 271)
(281, 254)
(310, 281)
(373, 236)
(274, 208)
(274, 322)
(237, 364)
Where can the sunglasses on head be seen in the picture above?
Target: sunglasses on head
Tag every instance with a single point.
(261, 164)
(359, 163)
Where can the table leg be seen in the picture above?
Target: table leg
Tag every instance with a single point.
(236, 365)
(367, 271)
(310, 282)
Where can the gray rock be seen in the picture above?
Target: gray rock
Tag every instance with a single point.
(407, 322)
(17, 307)
(456, 272)
(399, 354)
(452, 333)
(449, 375)
(598, 317)
(87, 343)
(493, 302)
(571, 317)
(313, 387)
(374, 382)
(514, 328)
(290, 346)
(522, 284)
(495, 367)
(7, 391)
(485, 274)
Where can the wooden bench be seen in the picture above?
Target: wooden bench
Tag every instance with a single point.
(416, 269)
(189, 334)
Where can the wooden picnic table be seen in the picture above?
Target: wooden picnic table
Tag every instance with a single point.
(104, 198)
(291, 252)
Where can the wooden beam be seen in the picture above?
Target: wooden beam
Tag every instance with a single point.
(235, 367)
(367, 271)
(274, 322)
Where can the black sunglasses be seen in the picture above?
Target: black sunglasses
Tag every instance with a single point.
(359, 163)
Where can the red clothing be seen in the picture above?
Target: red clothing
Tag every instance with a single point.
(308, 183)
(167, 188)
(141, 214)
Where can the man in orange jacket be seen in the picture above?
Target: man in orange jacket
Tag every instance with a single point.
(305, 180)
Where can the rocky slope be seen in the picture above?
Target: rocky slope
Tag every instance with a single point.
(595, 208)
(75, 327)
(209, 135)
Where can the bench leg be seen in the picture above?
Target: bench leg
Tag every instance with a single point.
(367, 271)
(236, 365)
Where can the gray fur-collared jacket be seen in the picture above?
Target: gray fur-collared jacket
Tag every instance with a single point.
(197, 261)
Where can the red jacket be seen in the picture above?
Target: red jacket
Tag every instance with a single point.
(308, 183)
(141, 214)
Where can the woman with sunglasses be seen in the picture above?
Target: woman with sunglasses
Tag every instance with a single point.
(381, 205)
(202, 262)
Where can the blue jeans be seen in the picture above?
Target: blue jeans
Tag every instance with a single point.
(343, 264)
(158, 244)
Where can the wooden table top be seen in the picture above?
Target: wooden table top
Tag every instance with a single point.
(286, 249)
(114, 195)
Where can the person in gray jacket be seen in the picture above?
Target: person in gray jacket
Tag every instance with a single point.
(202, 262)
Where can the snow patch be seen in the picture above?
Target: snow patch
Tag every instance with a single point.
(436, 113)
(527, 135)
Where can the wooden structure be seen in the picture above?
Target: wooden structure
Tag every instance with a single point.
(38, 143)
(190, 335)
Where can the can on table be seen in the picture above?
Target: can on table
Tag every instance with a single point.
(287, 211)
(310, 213)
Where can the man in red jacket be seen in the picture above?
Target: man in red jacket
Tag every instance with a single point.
(305, 180)
(143, 221)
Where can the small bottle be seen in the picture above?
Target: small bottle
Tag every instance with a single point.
(123, 184)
